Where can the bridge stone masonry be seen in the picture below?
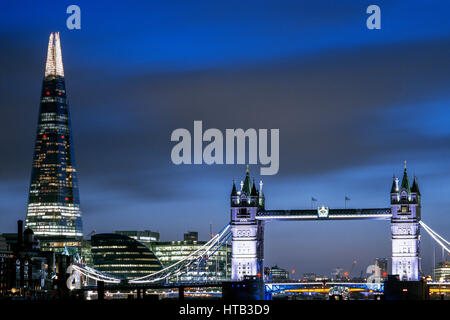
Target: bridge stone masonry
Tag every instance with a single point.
(248, 216)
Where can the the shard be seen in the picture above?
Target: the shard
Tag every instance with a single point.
(53, 211)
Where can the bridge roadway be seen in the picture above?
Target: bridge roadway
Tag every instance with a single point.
(325, 214)
(130, 287)
(270, 287)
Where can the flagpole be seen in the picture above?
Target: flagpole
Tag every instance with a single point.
(313, 200)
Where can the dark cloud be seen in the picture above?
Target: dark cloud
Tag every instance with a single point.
(333, 103)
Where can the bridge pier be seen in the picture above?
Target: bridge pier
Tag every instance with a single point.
(181, 293)
(100, 290)
(251, 288)
(267, 296)
(138, 293)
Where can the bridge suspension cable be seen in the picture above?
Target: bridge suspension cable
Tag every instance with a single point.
(434, 232)
(436, 237)
(75, 271)
(184, 265)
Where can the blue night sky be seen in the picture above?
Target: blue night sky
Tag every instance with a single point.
(351, 104)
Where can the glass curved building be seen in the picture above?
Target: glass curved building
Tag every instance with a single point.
(53, 211)
(122, 256)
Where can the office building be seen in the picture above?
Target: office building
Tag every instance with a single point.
(217, 267)
(145, 237)
(442, 271)
(308, 277)
(122, 256)
(276, 274)
(53, 211)
(381, 269)
(191, 236)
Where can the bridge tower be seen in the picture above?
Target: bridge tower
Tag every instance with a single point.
(405, 228)
(247, 233)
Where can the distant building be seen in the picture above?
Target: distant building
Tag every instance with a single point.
(86, 254)
(145, 237)
(122, 256)
(378, 271)
(381, 268)
(309, 276)
(276, 274)
(442, 271)
(191, 236)
(217, 267)
(5, 260)
(339, 274)
(26, 270)
(322, 278)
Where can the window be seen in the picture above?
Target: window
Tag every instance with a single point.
(243, 213)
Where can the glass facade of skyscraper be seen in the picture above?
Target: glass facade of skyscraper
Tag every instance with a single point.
(122, 256)
(53, 211)
(145, 237)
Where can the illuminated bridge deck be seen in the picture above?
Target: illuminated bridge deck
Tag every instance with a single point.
(325, 214)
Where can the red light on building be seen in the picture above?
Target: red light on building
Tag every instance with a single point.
(44, 136)
(62, 137)
(384, 274)
(48, 93)
(67, 199)
(345, 273)
(293, 271)
(259, 274)
(59, 93)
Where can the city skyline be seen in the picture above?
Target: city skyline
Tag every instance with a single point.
(124, 107)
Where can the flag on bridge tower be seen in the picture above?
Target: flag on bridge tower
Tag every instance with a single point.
(313, 200)
(346, 199)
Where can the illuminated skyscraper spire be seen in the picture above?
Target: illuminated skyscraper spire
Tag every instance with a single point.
(54, 64)
(53, 211)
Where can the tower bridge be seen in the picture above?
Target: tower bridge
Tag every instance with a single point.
(248, 216)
